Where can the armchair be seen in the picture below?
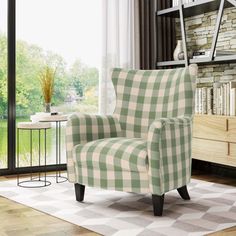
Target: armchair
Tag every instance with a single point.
(145, 146)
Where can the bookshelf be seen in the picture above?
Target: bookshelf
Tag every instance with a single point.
(218, 98)
(192, 9)
(214, 136)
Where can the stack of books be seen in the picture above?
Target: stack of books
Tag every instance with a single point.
(206, 53)
(176, 2)
(218, 99)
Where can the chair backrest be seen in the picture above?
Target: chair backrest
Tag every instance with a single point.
(143, 96)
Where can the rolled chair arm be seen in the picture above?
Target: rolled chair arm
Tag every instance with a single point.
(83, 128)
(169, 153)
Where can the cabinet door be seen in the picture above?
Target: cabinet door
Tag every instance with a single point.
(210, 127)
(232, 130)
(209, 150)
(231, 158)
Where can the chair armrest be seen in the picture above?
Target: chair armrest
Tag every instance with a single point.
(83, 128)
(169, 153)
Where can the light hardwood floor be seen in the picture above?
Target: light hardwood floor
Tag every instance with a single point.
(19, 220)
(221, 180)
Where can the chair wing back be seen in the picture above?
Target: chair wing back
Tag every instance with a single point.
(145, 95)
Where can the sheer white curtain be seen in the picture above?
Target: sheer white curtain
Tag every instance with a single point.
(120, 45)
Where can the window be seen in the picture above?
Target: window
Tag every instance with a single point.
(66, 38)
(3, 84)
(64, 35)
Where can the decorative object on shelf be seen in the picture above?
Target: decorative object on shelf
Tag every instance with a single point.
(176, 2)
(46, 79)
(178, 50)
(217, 53)
(181, 55)
(192, 9)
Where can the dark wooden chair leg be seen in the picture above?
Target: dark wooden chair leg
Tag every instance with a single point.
(79, 192)
(158, 202)
(183, 192)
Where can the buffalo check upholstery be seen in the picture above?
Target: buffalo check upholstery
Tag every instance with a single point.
(145, 146)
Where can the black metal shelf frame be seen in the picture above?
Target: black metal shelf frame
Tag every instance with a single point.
(192, 9)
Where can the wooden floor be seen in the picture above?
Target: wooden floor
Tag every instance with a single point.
(20, 220)
(220, 180)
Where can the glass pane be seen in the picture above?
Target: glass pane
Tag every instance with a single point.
(3, 84)
(53, 34)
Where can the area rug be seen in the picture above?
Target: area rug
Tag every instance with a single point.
(212, 207)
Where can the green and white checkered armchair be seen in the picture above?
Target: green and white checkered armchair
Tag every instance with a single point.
(145, 146)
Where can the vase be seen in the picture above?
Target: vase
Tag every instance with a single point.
(178, 50)
(181, 55)
(48, 107)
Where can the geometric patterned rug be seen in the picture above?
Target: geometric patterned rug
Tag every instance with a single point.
(212, 207)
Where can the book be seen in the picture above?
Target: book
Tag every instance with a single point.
(196, 101)
(232, 102)
(199, 53)
(227, 95)
(204, 100)
(216, 98)
(219, 101)
(223, 99)
(200, 100)
(176, 2)
(209, 101)
(232, 88)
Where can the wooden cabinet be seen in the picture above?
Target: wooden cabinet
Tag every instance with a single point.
(210, 127)
(231, 130)
(214, 139)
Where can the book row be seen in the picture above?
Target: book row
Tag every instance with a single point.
(218, 99)
(176, 2)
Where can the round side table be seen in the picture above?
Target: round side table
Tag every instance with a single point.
(33, 127)
(57, 119)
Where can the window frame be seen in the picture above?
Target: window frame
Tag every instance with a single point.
(11, 90)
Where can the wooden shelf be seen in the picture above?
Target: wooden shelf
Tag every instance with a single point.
(195, 8)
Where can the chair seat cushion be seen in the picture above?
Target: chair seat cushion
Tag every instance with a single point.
(117, 154)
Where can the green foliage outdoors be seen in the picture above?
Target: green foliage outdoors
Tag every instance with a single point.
(30, 60)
